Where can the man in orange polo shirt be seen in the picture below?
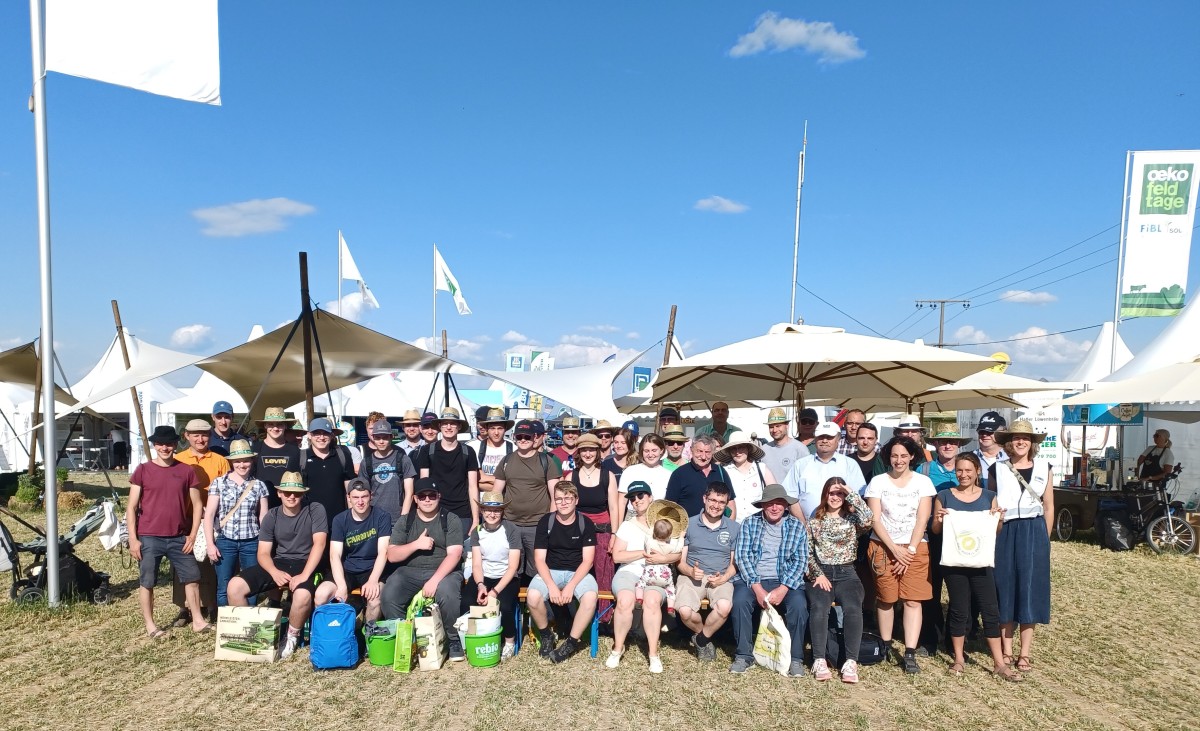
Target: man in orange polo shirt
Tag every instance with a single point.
(209, 466)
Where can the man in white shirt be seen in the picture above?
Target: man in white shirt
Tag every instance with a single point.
(808, 476)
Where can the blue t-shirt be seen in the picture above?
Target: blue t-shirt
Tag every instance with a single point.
(941, 477)
(360, 539)
(981, 504)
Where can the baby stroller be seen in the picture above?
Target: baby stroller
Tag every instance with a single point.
(76, 577)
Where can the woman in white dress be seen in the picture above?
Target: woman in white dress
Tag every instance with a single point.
(741, 458)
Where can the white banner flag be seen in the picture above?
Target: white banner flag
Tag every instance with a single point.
(166, 47)
(445, 281)
(1158, 232)
(346, 262)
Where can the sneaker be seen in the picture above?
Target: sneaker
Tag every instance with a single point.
(741, 665)
(614, 659)
(850, 672)
(509, 651)
(456, 651)
(923, 651)
(796, 669)
(656, 664)
(707, 653)
(565, 650)
(820, 669)
(909, 663)
(289, 646)
(545, 642)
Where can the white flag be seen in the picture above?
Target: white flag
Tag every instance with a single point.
(346, 262)
(367, 295)
(445, 281)
(166, 47)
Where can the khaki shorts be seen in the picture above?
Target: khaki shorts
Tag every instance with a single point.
(913, 584)
(688, 593)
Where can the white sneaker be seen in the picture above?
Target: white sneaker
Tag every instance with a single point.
(614, 659)
(656, 664)
(289, 646)
(821, 670)
(850, 672)
(509, 651)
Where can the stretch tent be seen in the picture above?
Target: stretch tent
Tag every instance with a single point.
(587, 389)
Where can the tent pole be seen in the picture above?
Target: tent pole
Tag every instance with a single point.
(37, 411)
(137, 403)
(446, 375)
(306, 314)
(667, 359)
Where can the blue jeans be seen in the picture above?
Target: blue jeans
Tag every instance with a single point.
(794, 609)
(235, 556)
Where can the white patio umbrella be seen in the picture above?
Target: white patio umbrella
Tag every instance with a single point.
(643, 402)
(1173, 384)
(809, 362)
(981, 390)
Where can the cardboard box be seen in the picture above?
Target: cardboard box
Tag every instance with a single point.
(248, 634)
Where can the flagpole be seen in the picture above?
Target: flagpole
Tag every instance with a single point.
(1112, 357)
(796, 240)
(38, 37)
(339, 310)
(433, 335)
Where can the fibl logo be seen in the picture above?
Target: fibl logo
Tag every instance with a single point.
(1166, 189)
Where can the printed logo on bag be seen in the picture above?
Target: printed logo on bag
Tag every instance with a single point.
(1166, 189)
(969, 544)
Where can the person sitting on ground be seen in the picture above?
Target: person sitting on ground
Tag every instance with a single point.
(427, 544)
(291, 546)
(663, 540)
(834, 528)
(358, 551)
(162, 516)
(237, 504)
(495, 562)
(706, 570)
(563, 551)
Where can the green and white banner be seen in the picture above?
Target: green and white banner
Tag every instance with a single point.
(1158, 232)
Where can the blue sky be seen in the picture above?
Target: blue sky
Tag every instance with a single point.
(584, 168)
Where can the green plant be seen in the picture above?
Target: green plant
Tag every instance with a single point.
(30, 486)
(61, 474)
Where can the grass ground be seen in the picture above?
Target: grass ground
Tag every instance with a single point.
(1121, 652)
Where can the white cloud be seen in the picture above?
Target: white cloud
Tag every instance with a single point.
(7, 343)
(353, 306)
(192, 336)
(461, 349)
(600, 328)
(632, 335)
(717, 204)
(567, 355)
(1025, 297)
(774, 33)
(586, 340)
(512, 336)
(1032, 346)
(256, 216)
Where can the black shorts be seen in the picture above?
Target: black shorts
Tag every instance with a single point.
(259, 581)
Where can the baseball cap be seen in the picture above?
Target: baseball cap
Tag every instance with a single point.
(539, 429)
(222, 407)
(827, 429)
(525, 428)
(632, 426)
(990, 422)
(809, 414)
(322, 424)
(429, 419)
(425, 484)
(637, 487)
(668, 412)
(358, 483)
(197, 425)
(383, 426)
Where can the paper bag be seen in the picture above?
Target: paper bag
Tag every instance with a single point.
(405, 646)
(430, 640)
(969, 539)
(490, 609)
(248, 634)
(773, 645)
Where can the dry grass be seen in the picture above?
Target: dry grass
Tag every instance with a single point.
(1120, 653)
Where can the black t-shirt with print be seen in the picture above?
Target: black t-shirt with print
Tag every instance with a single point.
(564, 543)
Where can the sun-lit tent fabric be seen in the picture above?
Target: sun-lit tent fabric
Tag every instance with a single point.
(982, 390)
(587, 389)
(1099, 361)
(818, 363)
(1175, 383)
(351, 353)
(642, 402)
(394, 393)
(106, 386)
(20, 366)
(199, 399)
(1179, 342)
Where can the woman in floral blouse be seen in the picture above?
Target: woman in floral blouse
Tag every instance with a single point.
(834, 527)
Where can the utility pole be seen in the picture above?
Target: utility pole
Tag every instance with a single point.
(941, 305)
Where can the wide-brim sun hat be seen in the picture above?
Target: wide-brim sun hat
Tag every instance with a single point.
(1004, 435)
(496, 416)
(724, 455)
(291, 482)
(772, 493)
(240, 449)
(274, 415)
(669, 511)
(604, 426)
(451, 415)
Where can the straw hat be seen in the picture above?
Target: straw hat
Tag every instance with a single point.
(297, 428)
(777, 416)
(492, 499)
(412, 416)
(291, 482)
(1021, 426)
(451, 414)
(724, 455)
(274, 415)
(495, 415)
(671, 512)
(588, 440)
(948, 431)
(240, 449)
(570, 423)
(674, 434)
(604, 425)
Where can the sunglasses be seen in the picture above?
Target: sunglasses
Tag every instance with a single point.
(641, 495)
(428, 496)
(808, 422)
(523, 438)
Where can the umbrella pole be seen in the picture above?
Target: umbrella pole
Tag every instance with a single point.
(37, 409)
(137, 404)
(667, 359)
(306, 313)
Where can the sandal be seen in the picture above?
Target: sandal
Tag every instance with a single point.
(158, 634)
(1009, 660)
(205, 628)
(1007, 674)
(1024, 664)
(956, 669)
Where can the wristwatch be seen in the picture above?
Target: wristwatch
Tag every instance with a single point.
(912, 550)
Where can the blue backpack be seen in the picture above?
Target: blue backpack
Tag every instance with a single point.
(333, 643)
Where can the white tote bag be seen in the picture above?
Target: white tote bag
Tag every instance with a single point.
(969, 538)
(773, 645)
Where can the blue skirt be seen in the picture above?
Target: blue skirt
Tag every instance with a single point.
(1023, 571)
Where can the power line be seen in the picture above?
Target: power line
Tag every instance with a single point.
(840, 310)
(1039, 261)
(1027, 337)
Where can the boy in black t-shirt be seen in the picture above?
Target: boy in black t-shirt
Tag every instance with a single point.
(455, 468)
(563, 551)
(358, 541)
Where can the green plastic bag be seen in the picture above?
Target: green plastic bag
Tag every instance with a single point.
(406, 645)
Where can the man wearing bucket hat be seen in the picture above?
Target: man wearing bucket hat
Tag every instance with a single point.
(291, 545)
(455, 468)
(163, 515)
(676, 442)
(327, 467)
(807, 478)
(358, 541)
(719, 427)
(771, 555)
(524, 478)
(781, 451)
(910, 426)
(209, 466)
(276, 454)
(989, 451)
(570, 437)
(411, 426)
(492, 446)
(223, 432)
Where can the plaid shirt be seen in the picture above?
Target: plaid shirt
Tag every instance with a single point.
(793, 551)
(244, 524)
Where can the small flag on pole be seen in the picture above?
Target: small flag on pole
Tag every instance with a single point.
(350, 271)
(166, 48)
(445, 281)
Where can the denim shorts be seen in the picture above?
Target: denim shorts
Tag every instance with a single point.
(561, 577)
(154, 549)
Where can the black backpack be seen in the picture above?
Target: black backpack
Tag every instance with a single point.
(1113, 530)
(343, 453)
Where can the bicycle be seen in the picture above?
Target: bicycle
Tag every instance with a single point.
(1159, 519)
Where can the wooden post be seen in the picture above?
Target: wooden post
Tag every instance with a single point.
(137, 404)
(37, 410)
(307, 314)
(667, 359)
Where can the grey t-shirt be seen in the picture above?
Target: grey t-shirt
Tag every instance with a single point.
(712, 547)
(291, 536)
(781, 459)
(387, 475)
(431, 559)
(772, 539)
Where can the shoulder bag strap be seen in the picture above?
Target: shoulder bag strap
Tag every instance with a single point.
(238, 504)
(1021, 480)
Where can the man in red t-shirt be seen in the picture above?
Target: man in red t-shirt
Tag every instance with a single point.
(163, 515)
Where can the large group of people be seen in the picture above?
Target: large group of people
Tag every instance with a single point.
(832, 529)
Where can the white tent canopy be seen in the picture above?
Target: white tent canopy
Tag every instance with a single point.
(587, 389)
(1098, 363)
(982, 390)
(1179, 342)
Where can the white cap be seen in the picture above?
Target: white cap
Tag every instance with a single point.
(827, 429)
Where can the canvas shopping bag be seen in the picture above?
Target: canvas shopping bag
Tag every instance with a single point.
(969, 538)
(248, 634)
(430, 639)
(773, 645)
